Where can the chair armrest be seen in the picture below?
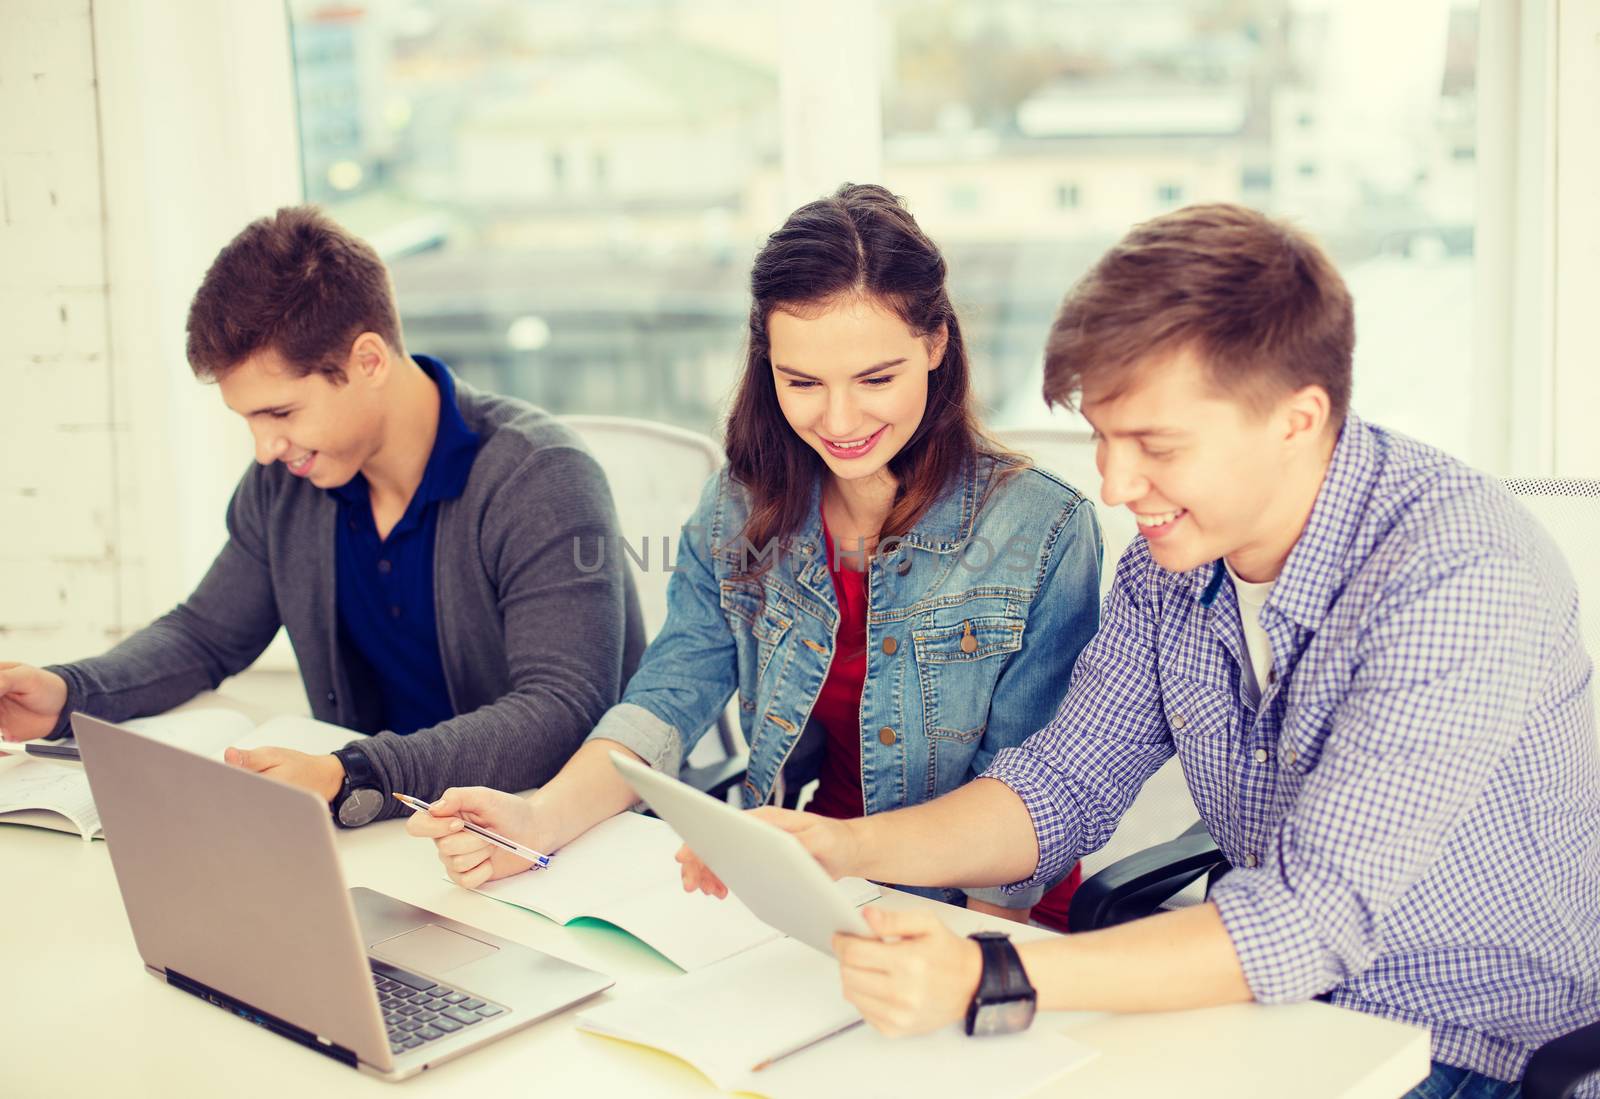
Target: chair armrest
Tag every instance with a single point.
(1137, 885)
(1561, 1064)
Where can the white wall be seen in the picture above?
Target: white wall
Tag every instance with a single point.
(61, 436)
(135, 140)
(198, 137)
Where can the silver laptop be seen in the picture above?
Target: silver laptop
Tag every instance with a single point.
(233, 888)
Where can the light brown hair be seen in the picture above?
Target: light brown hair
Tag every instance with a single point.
(297, 283)
(1257, 299)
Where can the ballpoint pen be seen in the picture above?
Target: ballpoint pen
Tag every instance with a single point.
(540, 861)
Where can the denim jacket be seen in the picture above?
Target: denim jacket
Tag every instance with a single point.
(974, 621)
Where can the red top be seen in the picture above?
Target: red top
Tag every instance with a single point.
(838, 706)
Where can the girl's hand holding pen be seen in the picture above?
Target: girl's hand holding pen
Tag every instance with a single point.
(468, 858)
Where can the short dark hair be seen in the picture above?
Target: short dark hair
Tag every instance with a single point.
(1257, 299)
(297, 283)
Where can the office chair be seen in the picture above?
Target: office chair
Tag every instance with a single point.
(656, 474)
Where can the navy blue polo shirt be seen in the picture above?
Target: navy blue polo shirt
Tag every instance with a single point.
(385, 585)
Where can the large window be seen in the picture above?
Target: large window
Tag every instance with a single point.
(569, 194)
(1029, 134)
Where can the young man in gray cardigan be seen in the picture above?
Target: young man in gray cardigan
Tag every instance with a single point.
(414, 536)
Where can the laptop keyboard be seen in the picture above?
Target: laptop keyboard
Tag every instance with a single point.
(417, 1011)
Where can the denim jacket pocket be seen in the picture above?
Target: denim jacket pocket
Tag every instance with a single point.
(741, 601)
(768, 629)
(958, 666)
(759, 624)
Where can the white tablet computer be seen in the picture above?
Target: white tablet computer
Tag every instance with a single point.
(767, 868)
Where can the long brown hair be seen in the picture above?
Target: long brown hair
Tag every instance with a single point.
(859, 241)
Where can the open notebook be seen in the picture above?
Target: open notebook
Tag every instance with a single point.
(773, 1022)
(47, 793)
(622, 871)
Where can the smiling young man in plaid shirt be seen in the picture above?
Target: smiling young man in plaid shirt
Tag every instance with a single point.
(1365, 655)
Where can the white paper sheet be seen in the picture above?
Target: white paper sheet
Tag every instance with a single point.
(784, 997)
(47, 794)
(730, 1017)
(945, 1064)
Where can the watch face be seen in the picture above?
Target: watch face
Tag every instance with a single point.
(360, 807)
(1004, 1016)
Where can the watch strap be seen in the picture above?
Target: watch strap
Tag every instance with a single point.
(358, 770)
(1002, 981)
(1014, 978)
(993, 984)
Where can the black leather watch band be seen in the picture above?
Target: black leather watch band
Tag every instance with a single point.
(992, 984)
(358, 770)
(1004, 1000)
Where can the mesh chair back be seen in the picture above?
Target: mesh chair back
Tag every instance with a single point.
(1569, 509)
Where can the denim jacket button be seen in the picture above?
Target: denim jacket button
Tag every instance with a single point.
(886, 735)
(890, 645)
(905, 564)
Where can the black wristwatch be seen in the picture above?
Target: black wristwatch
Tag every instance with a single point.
(360, 796)
(1005, 1000)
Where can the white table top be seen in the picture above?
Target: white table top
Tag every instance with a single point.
(80, 1016)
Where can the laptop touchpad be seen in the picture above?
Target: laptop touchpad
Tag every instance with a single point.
(431, 949)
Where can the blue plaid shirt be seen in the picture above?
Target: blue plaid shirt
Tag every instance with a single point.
(1412, 809)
